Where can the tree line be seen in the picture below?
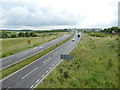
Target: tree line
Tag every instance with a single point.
(109, 30)
(4, 34)
(46, 31)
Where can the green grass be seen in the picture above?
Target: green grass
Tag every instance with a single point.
(95, 65)
(12, 46)
(9, 70)
(97, 34)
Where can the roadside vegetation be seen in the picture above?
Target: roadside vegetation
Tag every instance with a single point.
(26, 33)
(9, 70)
(94, 65)
(12, 46)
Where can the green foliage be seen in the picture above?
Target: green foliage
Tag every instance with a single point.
(109, 30)
(90, 68)
(4, 35)
(9, 70)
(13, 36)
(9, 44)
(33, 34)
(96, 34)
(27, 34)
(65, 75)
(49, 31)
(21, 34)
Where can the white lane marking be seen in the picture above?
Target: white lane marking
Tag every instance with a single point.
(55, 53)
(41, 47)
(46, 60)
(50, 68)
(43, 75)
(60, 60)
(46, 71)
(8, 88)
(35, 47)
(32, 86)
(26, 65)
(47, 74)
(29, 73)
(37, 80)
(53, 65)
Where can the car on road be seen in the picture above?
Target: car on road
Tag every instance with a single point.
(73, 40)
(78, 35)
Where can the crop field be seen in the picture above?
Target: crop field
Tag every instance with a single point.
(11, 46)
(94, 65)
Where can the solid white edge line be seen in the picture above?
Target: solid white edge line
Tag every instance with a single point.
(32, 62)
(25, 58)
(54, 67)
(33, 47)
(30, 55)
(29, 64)
(47, 74)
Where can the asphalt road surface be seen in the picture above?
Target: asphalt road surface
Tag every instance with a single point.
(7, 61)
(34, 73)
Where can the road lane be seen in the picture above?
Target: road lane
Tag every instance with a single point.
(38, 68)
(7, 61)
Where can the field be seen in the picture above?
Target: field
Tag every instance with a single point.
(14, 45)
(9, 70)
(95, 65)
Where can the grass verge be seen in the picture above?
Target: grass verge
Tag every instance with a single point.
(9, 44)
(95, 65)
(9, 70)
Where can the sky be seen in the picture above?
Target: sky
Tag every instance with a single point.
(53, 14)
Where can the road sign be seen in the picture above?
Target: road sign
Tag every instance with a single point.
(67, 57)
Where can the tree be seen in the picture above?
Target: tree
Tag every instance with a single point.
(109, 30)
(13, 36)
(21, 34)
(27, 34)
(65, 75)
(4, 35)
(32, 34)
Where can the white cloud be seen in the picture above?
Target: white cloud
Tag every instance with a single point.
(83, 13)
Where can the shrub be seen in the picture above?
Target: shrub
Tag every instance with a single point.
(65, 75)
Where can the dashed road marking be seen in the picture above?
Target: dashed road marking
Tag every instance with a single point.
(41, 47)
(37, 80)
(29, 73)
(8, 88)
(32, 86)
(46, 71)
(46, 60)
(43, 75)
(50, 68)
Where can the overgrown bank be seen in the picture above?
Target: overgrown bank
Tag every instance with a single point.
(95, 65)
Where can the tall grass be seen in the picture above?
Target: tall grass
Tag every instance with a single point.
(95, 65)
